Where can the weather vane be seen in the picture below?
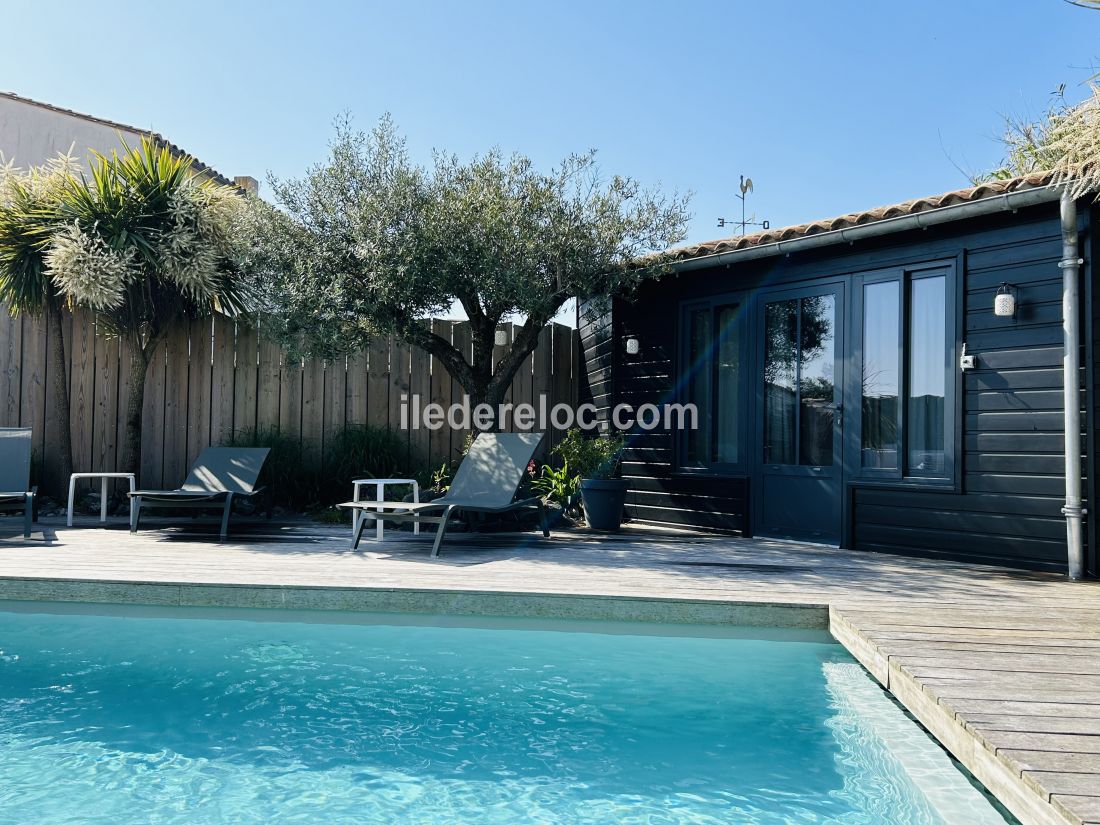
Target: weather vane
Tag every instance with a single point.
(746, 187)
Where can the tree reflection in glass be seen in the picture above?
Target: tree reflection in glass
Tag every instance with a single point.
(798, 380)
(881, 378)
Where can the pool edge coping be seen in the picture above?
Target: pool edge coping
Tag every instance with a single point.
(1031, 804)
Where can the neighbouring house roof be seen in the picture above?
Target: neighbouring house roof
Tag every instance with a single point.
(983, 191)
(157, 138)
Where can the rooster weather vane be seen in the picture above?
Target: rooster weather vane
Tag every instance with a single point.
(746, 187)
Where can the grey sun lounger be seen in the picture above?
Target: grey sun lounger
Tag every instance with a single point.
(486, 482)
(219, 476)
(16, 492)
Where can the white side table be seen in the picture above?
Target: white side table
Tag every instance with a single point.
(380, 485)
(102, 492)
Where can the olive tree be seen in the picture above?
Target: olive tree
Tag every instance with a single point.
(369, 243)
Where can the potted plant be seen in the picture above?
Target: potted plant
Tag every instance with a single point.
(595, 461)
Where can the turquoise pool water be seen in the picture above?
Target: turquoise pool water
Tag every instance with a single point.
(120, 719)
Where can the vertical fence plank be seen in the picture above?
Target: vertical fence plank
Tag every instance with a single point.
(313, 411)
(268, 383)
(176, 383)
(222, 379)
(336, 389)
(125, 366)
(420, 386)
(11, 356)
(499, 351)
(246, 375)
(81, 355)
(355, 403)
(400, 385)
(521, 382)
(439, 441)
(541, 379)
(51, 458)
(152, 417)
(199, 407)
(561, 389)
(378, 383)
(290, 398)
(105, 415)
(32, 401)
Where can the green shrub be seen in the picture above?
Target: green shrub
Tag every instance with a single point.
(558, 485)
(363, 452)
(591, 457)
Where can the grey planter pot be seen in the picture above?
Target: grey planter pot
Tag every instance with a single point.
(603, 502)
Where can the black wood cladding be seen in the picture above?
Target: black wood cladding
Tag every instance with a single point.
(1006, 509)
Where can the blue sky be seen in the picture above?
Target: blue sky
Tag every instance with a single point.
(829, 107)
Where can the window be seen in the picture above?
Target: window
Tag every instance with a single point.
(881, 379)
(713, 377)
(907, 378)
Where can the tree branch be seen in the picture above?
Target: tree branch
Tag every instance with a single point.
(421, 336)
(524, 344)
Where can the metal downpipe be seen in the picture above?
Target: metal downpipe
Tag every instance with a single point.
(1071, 380)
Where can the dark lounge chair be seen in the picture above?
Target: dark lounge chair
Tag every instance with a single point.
(486, 482)
(219, 476)
(16, 492)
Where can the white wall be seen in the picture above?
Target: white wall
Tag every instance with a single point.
(31, 134)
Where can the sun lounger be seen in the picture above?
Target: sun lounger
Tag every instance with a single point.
(15, 474)
(219, 476)
(486, 482)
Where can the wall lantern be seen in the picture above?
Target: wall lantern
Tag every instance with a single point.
(1004, 305)
(501, 338)
(633, 346)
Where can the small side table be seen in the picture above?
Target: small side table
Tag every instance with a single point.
(380, 485)
(103, 477)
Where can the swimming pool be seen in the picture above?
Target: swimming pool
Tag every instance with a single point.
(187, 719)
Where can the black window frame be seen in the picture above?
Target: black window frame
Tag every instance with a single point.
(902, 474)
(713, 304)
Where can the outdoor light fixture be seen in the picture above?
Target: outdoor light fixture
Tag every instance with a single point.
(1004, 305)
(501, 337)
(633, 346)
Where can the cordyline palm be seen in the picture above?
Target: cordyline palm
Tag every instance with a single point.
(29, 215)
(147, 244)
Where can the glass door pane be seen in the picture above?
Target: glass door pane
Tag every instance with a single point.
(816, 387)
(780, 381)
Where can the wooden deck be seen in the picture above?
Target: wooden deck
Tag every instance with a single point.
(1002, 666)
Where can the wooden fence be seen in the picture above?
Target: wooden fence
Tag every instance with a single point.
(214, 377)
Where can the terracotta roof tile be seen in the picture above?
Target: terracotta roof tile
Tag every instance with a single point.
(881, 213)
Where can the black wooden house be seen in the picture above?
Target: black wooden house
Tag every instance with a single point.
(856, 387)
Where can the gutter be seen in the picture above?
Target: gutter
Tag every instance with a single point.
(1071, 386)
(1007, 202)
